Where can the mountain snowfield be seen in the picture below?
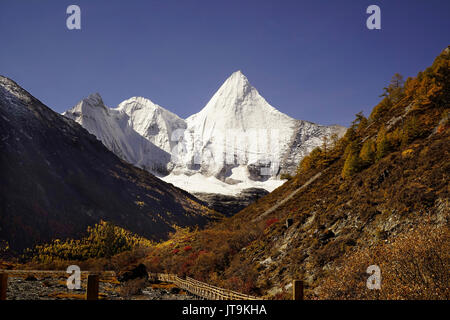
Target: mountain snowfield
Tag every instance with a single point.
(237, 141)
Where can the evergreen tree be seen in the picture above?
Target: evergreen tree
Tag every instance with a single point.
(325, 144)
(395, 91)
(410, 130)
(368, 152)
(352, 161)
(382, 144)
(311, 161)
(350, 136)
(351, 165)
(334, 140)
(109, 240)
(360, 121)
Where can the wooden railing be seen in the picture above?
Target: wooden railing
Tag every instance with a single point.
(202, 289)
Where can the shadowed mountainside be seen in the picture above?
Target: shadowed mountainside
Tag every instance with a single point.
(56, 179)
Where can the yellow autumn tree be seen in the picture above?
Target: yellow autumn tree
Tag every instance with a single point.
(103, 240)
(382, 143)
(352, 161)
(368, 153)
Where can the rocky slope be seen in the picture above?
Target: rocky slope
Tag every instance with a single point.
(230, 205)
(56, 178)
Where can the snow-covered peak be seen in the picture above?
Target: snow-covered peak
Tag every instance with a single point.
(146, 107)
(237, 108)
(238, 81)
(91, 106)
(137, 103)
(114, 128)
(237, 127)
(152, 121)
(94, 99)
(235, 98)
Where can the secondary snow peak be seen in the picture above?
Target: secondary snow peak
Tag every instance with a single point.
(114, 128)
(152, 121)
(137, 103)
(94, 99)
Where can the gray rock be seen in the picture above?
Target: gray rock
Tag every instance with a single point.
(229, 205)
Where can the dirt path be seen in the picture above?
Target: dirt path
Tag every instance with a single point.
(290, 196)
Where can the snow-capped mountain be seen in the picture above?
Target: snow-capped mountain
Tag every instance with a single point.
(115, 129)
(237, 127)
(152, 121)
(237, 141)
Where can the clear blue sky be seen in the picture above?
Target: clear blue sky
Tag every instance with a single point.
(314, 60)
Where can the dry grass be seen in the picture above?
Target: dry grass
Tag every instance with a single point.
(416, 265)
(73, 296)
(112, 280)
(164, 285)
(65, 295)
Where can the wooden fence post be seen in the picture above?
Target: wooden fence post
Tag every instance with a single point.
(297, 287)
(3, 285)
(92, 287)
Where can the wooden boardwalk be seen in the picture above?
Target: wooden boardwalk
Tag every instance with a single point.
(201, 289)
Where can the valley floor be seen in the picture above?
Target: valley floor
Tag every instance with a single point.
(53, 287)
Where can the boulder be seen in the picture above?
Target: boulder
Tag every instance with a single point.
(231, 204)
(175, 290)
(30, 278)
(135, 272)
(324, 237)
